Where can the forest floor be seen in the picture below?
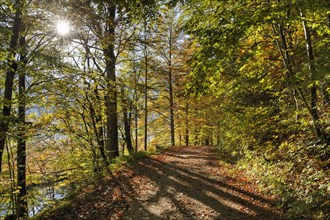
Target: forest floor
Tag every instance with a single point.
(180, 183)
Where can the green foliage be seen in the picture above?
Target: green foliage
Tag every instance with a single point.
(263, 116)
(230, 89)
(119, 162)
(300, 180)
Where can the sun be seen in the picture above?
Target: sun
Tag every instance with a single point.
(63, 27)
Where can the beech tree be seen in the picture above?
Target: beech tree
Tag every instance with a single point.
(106, 21)
(22, 52)
(11, 71)
(264, 65)
(169, 49)
(250, 77)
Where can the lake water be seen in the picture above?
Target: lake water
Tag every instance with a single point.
(42, 197)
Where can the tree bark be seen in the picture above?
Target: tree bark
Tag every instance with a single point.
(22, 208)
(187, 125)
(312, 69)
(98, 131)
(145, 88)
(136, 111)
(95, 116)
(170, 83)
(111, 96)
(196, 130)
(9, 82)
(127, 128)
(287, 62)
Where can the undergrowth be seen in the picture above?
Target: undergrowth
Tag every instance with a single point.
(299, 177)
(77, 185)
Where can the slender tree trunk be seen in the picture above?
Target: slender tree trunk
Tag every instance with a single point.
(218, 134)
(285, 53)
(111, 96)
(180, 139)
(325, 93)
(312, 69)
(89, 138)
(187, 125)
(96, 121)
(136, 130)
(136, 111)
(146, 109)
(145, 88)
(196, 129)
(95, 116)
(170, 83)
(22, 209)
(11, 170)
(207, 141)
(127, 122)
(207, 129)
(211, 137)
(287, 62)
(9, 81)
(127, 128)
(171, 109)
(101, 143)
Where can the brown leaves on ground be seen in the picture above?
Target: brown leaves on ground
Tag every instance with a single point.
(181, 183)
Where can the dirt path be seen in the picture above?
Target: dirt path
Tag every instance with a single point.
(182, 183)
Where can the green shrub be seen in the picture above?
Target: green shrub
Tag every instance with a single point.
(301, 181)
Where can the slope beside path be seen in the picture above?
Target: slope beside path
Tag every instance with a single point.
(180, 183)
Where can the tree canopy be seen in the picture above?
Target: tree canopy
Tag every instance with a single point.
(249, 77)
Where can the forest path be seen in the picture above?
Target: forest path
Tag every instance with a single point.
(180, 183)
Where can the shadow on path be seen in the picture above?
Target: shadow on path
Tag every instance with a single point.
(181, 184)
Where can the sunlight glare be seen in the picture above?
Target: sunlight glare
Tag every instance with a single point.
(62, 27)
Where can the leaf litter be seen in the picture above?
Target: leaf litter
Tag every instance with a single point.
(180, 183)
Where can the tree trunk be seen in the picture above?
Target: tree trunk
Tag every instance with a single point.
(9, 82)
(96, 120)
(207, 141)
(22, 209)
(127, 128)
(136, 130)
(95, 116)
(127, 116)
(111, 96)
(180, 139)
(136, 111)
(187, 125)
(325, 93)
(89, 138)
(211, 137)
(171, 110)
(170, 84)
(145, 88)
(312, 69)
(218, 134)
(287, 62)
